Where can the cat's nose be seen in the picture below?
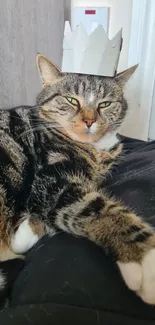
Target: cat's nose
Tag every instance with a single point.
(89, 122)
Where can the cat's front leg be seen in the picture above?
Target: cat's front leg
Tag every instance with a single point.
(112, 226)
(133, 245)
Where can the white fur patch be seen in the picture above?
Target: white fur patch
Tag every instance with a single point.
(93, 128)
(147, 291)
(2, 280)
(141, 277)
(24, 238)
(91, 98)
(132, 274)
(107, 142)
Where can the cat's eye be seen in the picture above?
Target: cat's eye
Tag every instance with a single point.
(104, 104)
(73, 101)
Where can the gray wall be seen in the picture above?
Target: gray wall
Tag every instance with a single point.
(67, 4)
(27, 27)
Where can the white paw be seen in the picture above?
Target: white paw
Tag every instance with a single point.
(23, 239)
(141, 277)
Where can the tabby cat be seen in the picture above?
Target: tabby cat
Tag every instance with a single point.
(54, 157)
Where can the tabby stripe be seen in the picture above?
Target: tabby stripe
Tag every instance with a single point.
(6, 159)
(63, 114)
(84, 86)
(140, 238)
(133, 229)
(69, 196)
(65, 220)
(49, 99)
(95, 206)
(100, 88)
(51, 111)
(114, 206)
(76, 88)
(63, 108)
(108, 161)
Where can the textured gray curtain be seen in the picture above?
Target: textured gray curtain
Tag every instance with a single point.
(27, 27)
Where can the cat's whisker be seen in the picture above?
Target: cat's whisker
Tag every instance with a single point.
(31, 130)
(39, 127)
(28, 131)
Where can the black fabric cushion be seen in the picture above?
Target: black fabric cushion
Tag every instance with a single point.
(66, 280)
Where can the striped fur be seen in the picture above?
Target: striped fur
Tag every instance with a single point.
(51, 171)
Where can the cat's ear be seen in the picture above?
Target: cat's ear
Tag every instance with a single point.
(48, 71)
(123, 77)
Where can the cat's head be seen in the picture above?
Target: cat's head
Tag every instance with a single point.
(86, 107)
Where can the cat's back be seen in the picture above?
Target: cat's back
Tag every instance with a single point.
(13, 117)
(16, 127)
(16, 153)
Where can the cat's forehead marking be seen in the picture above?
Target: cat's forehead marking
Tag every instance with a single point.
(91, 97)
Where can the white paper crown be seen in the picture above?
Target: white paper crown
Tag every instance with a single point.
(90, 54)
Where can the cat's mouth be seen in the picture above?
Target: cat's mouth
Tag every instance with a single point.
(91, 130)
(87, 134)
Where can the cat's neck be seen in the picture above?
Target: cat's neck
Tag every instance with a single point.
(109, 141)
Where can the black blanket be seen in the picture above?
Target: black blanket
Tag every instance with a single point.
(66, 280)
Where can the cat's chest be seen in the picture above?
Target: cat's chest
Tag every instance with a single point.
(80, 159)
(109, 141)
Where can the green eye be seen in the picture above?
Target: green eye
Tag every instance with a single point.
(104, 104)
(73, 101)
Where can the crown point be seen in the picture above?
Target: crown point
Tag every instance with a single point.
(91, 54)
(67, 29)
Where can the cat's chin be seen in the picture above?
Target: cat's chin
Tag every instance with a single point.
(105, 141)
(84, 137)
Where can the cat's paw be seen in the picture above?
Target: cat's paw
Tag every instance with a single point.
(141, 277)
(24, 238)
